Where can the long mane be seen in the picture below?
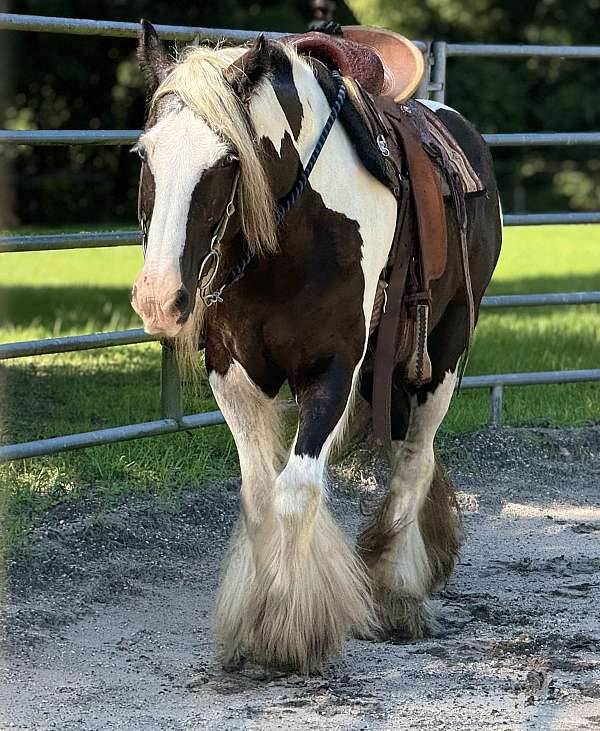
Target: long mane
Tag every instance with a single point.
(198, 79)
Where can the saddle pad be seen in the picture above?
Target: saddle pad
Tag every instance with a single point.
(358, 126)
(438, 130)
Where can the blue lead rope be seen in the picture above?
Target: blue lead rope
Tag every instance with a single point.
(284, 206)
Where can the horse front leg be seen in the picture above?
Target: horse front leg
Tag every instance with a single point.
(254, 423)
(310, 590)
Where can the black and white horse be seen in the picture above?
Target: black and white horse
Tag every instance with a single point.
(226, 136)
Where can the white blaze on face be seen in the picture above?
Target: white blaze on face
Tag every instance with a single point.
(180, 147)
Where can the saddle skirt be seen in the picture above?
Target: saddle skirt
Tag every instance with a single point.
(393, 139)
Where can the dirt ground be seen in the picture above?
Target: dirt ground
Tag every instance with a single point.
(106, 625)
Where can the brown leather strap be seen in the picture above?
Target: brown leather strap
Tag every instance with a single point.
(402, 147)
(387, 336)
(428, 201)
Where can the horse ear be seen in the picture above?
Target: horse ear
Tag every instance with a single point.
(249, 69)
(153, 57)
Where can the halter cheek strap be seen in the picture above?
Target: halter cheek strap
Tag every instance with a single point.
(210, 263)
(283, 207)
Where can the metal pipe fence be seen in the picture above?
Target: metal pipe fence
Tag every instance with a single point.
(173, 420)
(48, 137)
(73, 343)
(99, 239)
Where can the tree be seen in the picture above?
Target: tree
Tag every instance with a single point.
(81, 82)
(517, 95)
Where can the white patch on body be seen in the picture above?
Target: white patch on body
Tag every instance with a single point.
(180, 148)
(405, 566)
(338, 176)
(268, 117)
(346, 187)
(434, 106)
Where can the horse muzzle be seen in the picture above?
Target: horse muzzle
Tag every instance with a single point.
(163, 303)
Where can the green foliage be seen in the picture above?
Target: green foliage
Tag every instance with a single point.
(80, 82)
(501, 95)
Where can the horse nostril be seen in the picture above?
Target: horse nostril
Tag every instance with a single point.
(182, 300)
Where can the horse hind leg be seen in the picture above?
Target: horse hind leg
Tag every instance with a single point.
(310, 589)
(441, 525)
(412, 539)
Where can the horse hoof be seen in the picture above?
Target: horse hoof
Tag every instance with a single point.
(403, 618)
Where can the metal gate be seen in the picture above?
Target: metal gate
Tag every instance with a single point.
(173, 420)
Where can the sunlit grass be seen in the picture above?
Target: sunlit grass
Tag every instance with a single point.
(537, 260)
(69, 292)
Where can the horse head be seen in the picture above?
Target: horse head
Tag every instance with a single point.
(202, 181)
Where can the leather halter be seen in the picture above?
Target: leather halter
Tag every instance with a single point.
(210, 264)
(212, 260)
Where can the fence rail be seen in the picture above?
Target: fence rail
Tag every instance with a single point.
(496, 383)
(550, 219)
(47, 137)
(434, 84)
(83, 240)
(114, 29)
(100, 239)
(72, 343)
(457, 50)
(99, 437)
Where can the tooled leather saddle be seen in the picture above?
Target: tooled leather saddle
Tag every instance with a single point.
(382, 62)
(407, 147)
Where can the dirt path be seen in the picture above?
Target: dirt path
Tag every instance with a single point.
(107, 626)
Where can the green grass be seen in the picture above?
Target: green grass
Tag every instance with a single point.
(537, 260)
(70, 292)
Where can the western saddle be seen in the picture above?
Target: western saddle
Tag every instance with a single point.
(406, 146)
(382, 62)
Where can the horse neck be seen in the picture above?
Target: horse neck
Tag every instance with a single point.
(288, 116)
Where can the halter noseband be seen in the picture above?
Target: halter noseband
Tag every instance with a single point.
(283, 207)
